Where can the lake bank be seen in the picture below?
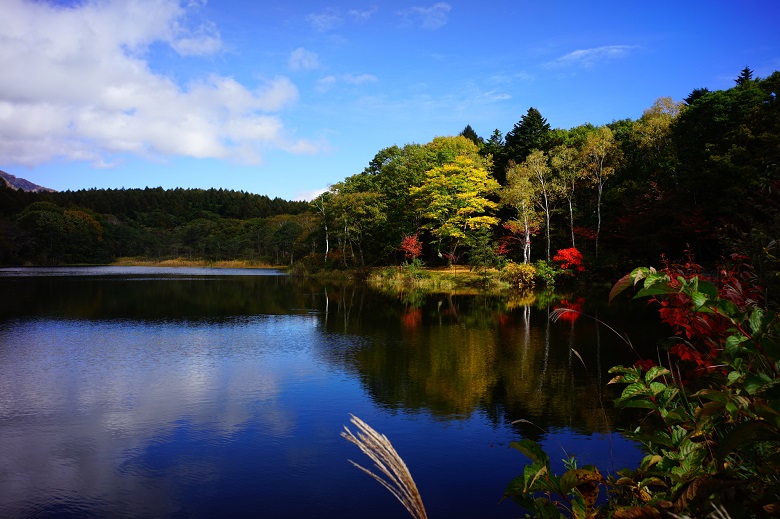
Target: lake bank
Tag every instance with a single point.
(195, 263)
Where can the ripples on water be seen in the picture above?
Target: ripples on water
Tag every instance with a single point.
(214, 395)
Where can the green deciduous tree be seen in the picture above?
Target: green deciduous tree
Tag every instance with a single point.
(356, 216)
(565, 162)
(600, 155)
(453, 200)
(519, 193)
(548, 189)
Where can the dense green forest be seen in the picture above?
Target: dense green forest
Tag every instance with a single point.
(699, 174)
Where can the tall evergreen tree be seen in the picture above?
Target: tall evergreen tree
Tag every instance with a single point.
(469, 133)
(745, 77)
(528, 134)
(494, 147)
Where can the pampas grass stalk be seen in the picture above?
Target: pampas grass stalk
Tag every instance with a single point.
(397, 478)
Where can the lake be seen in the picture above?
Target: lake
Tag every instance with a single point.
(173, 393)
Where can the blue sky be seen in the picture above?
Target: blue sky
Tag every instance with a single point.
(284, 98)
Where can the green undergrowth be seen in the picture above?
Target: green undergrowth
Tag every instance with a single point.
(711, 403)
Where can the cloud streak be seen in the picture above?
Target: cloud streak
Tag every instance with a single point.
(302, 59)
(431, 18)
(81, 87)
(330, 81)
(326, 20)
(587, 58)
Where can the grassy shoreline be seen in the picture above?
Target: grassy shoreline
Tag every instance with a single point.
(451, 280)
(456, 279)
(184, 262)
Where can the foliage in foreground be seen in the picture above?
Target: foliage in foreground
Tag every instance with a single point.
(711, 433)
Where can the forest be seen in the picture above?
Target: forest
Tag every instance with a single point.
(697, 175)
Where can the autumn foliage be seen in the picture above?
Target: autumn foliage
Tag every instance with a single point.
(703, 332)
(569, 259)
(412, 247)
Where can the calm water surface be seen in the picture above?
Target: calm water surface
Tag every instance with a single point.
(147, 392)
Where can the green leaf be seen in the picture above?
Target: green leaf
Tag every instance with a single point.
(657, 388)
(733, 342)
(675, 416)
(655, 372)
(635, 389)
(756, 320)
(655, 290)
(699, 300)
(515, 487)
(669, 394)
(531, 449)
(678, 435)
(755, 383)
(634, 403)
(624, 379)
(649, 460)
(624, 370)
(532, 474)
(579, 509)
(725, 307)
(713, 394)
(708, 289)
(661, 438)
(653, 481)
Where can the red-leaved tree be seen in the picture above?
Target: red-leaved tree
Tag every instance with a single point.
(569, 259)
(411, 246)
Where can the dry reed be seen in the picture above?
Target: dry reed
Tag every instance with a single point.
(398, 480)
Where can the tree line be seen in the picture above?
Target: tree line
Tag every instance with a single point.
(700, 174)
(100, 225)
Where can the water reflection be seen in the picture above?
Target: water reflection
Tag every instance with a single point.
(141, 396)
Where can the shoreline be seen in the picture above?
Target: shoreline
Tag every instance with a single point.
(182, 262)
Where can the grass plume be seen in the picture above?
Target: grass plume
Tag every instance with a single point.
(396, 476)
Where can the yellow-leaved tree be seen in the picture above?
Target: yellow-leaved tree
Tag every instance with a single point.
(453, 201)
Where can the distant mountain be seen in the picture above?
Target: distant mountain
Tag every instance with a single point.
(19, 183)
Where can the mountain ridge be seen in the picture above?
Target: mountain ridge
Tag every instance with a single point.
(22, 184)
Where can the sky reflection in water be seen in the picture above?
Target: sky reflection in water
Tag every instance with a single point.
(110, 410)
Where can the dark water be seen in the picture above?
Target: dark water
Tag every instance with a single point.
(211, 393)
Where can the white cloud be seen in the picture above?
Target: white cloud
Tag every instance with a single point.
(302, 59)
(329, 82)
(326, 83)
(432, 17)
(359, 79)
(326, 20)
(495, 95)
(308, 196)
(362, 15)
(202, 41)
(78, 86)
(586, 58)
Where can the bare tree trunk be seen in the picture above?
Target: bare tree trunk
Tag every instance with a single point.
(598, 213)
(571, 222)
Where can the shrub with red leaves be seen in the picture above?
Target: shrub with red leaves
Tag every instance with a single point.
(411, 247)
(704, 331)
(569, 259)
